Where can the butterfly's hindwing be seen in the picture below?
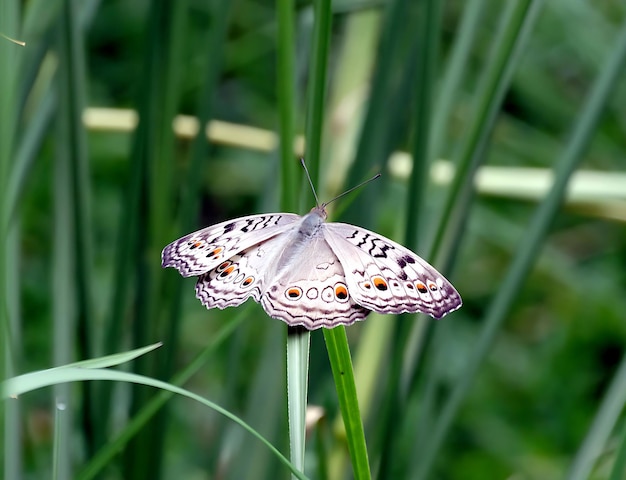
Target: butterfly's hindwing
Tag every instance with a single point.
(388, 278)
(204, 250)
(313, 292)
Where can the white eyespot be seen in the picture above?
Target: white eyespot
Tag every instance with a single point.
(328, 294)
(312, 293)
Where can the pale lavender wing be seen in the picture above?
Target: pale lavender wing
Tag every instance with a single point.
(312, 291)
(386, 277)
(202, 251)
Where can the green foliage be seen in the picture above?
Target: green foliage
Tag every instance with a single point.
(468, 108)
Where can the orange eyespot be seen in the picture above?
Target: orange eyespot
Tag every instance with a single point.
(421, 287)
(215, 252)
(341, 292)
(196, 244)
(367, 285)
(227, 271)
(223, 266)
(380, 283)
(293, 293)
(433, 287)
(247, 281)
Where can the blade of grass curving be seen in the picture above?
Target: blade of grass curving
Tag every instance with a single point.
(116, 358)
(105, 455)
(341, 365)
(530, 245)
(82, 374)
(604, 423)
(286, 95)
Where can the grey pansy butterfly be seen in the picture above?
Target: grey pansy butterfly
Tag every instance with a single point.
(308, 272)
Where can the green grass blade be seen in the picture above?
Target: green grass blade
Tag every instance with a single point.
(316, 100)
(13, 428)
(341, 364)
(81, 374)
(530, 244)
(392, 465)
(515, 27)
(61, 438)
(453, 76)
(106, 454)
(153, 149)
(73, 92)
(380, 120)
(10, 66)
(298, 346)
(286, 94)
(619, 467)
(606, 419)
(428, 49)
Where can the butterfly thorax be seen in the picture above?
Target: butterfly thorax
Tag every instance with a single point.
(300, 240)
(312, 222)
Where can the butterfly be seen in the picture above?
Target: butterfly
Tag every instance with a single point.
(307, 272)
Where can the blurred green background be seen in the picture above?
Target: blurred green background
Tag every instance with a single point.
(467, 107)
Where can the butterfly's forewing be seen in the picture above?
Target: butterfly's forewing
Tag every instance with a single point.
(232, 282)
(206, 249)
(387, 277)
(311, 291)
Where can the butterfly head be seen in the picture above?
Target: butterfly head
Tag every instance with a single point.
(320, 211)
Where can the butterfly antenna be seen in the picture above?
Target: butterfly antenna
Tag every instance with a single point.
(351, 189)
(306, 170)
